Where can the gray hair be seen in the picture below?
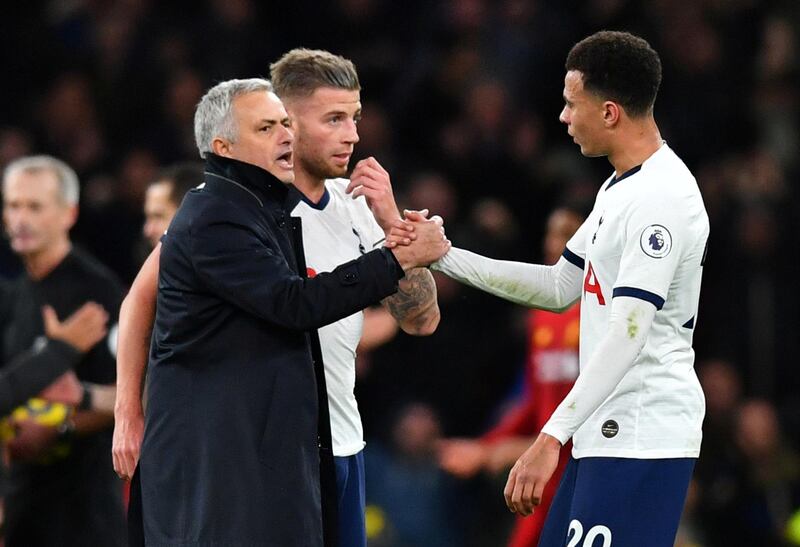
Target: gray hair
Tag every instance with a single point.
(69, 188)
(214, 118)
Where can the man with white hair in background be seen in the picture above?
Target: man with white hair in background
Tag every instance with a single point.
(230, 451)
(61, 489)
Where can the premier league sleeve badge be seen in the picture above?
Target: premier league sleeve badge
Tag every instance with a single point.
(656, 241)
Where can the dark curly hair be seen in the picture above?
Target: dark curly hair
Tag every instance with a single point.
(620, 67)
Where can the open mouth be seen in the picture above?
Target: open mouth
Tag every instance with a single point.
(285, 160)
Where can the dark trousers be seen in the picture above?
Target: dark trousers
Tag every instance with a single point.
(69, 511)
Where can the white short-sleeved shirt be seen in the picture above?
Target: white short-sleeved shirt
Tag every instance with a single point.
(336, 230)
(645, 238)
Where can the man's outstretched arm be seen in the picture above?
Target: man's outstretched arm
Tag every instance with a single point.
(553, 288)
(66, 341)
(136, 318)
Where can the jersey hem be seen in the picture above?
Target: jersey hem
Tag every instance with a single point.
(348, 449)
(634, 454)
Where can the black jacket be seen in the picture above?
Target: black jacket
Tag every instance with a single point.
(230, 453)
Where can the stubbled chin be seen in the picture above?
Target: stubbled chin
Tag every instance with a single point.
(339, 170)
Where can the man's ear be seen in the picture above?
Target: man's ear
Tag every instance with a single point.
(71, 217)
(611, 113)
(221, 147)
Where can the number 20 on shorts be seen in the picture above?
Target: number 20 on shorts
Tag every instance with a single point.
(576, 531)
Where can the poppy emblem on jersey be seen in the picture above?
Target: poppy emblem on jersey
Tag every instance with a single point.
(610, 429)
(656, 241)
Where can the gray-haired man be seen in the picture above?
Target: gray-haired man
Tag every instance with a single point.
(59, 491)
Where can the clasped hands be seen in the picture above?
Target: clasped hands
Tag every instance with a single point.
(416, 240)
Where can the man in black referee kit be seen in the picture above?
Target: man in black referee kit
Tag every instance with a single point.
(62, 488)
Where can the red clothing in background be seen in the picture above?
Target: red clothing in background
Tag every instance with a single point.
(551, 369)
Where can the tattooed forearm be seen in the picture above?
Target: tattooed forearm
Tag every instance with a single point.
(414, 304)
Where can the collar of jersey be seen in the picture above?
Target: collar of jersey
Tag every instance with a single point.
(323, 201)
(623, 176)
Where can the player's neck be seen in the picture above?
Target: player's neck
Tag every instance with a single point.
(310, 186)
(38, 265)
(639, 142)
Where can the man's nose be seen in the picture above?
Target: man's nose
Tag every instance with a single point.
(351, 136)
(287, 135)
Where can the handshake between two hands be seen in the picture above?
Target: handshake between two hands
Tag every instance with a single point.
(416, 240)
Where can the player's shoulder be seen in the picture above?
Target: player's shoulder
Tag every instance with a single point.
(337, 187)
(89, 265)
(665, 182)
(94, 277)
(667, 170)
(355, 210)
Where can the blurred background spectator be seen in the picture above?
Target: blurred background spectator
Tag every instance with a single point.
(461, 99)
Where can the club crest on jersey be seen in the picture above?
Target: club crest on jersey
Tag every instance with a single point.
(656, 241)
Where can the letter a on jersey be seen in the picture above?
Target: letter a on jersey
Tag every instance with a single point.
(592, 285)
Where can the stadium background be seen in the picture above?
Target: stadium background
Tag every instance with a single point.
(461, 100)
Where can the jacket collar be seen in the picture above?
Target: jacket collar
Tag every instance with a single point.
(259, 183)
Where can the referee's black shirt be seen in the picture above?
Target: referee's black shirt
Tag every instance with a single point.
(82, 483)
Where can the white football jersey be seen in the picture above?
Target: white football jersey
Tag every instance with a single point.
(336, 230)
(645, 238)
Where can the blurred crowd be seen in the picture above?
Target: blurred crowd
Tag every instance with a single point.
(461, 101)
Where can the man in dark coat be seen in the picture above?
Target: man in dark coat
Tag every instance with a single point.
(230, 452)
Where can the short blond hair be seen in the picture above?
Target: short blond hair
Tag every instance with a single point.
(302, 71)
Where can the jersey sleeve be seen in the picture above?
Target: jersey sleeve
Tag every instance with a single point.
(553, 288)
(608, 364)
(655, 234)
